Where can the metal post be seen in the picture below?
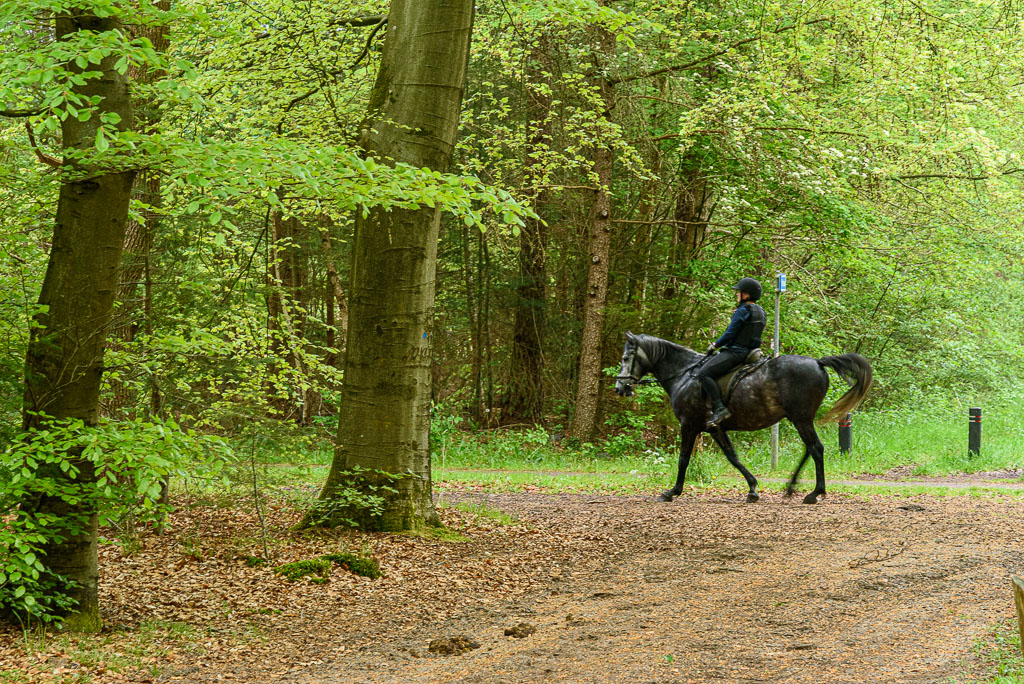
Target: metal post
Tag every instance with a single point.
(780, 287)
(845, 436)
(974, 431)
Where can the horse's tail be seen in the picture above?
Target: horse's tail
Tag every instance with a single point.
(851, 367)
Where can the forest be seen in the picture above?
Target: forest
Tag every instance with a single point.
(339, 259)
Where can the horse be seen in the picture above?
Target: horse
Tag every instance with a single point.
(787, 386)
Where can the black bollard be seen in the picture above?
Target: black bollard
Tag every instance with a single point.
(845, 434)
(974, 431)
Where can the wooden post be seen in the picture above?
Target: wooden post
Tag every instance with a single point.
(1018, 598)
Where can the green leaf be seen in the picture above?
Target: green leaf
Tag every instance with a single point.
(101, 141)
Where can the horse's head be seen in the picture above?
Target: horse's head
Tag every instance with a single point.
(635, 365)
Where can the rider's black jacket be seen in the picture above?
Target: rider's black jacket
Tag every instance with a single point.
(745, 328)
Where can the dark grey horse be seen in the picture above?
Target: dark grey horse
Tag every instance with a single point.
(790, 387)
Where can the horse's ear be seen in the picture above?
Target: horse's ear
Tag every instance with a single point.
(630, 336)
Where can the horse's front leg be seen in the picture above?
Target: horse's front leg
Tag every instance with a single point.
(687, 437)
(730, 453)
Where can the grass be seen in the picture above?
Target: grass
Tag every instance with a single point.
(1000, 651)
(116, 652)
(481, 511)
(651, 484)
(930, 437)
(639, 452)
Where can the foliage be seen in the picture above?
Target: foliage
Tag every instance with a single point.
(320, 567)
(363, 490)
(131, 460)
(356, 564)
(871, 151)
(1000, 649)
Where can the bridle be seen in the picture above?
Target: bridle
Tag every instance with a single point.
(634, 381)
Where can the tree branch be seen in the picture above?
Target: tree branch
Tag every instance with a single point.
(955, 176)
(20, 113)
(43, 157)
(369, 39)
(701, 60)
(345, 21)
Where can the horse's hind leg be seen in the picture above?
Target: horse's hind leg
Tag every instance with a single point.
(816, 450)
(687, 437)
(730, 453)
(791, 486)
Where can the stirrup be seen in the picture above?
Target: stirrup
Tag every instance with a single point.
(718, 415)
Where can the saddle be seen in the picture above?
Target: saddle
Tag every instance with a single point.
(728, 382)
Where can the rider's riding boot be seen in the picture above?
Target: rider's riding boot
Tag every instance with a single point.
(719, 414)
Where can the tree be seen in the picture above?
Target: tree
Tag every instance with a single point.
(385, 400)
(64, 364)
(525, 395)
(599, 240)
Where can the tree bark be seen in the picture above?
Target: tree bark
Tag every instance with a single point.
(473, 315)
(384, 411)
(589, 379)
(64, 363)
(138, 240)
(524, 399)
(336, 300)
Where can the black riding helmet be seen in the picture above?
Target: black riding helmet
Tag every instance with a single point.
(750, 286)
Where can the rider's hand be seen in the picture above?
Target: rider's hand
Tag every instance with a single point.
(711, 349)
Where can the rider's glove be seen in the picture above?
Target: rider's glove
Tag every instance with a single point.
(711, 349)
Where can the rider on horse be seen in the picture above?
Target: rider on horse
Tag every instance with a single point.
(741, 337)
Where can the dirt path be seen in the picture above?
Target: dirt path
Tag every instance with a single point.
(617, 589)
(708, 589)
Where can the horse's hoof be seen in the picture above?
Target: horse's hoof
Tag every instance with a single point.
(811, 498)
(667, 496)
(753, 497)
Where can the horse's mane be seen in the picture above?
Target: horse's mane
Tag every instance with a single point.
(656, 347)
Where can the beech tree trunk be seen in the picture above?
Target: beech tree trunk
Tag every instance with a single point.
(384, 421)
(138, 240)
(64, 363)
(589, 379)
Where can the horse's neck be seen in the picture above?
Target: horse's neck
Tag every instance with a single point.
(672, 361)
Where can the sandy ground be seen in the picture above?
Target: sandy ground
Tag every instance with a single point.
(615, 589)
(708, 589)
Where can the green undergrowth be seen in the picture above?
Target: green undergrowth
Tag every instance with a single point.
(117, 652)
(319, 569)
(479, 512)
(929, 437)
(1000, 651)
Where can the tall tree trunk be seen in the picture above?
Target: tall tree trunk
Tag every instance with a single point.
(693, 212)
(336, 299)
(589, 380)
(138, 240)
(64, 363)
(524, 399)
(473, 314)
(288, 274)
(384, 420)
